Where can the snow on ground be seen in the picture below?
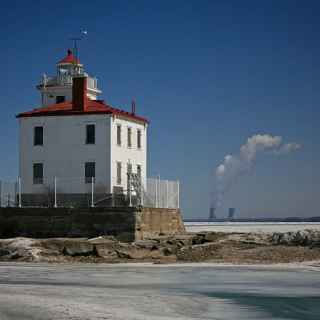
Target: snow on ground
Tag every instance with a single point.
(132, 292)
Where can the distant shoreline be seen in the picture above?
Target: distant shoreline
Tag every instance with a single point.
(250, 226)
(284, 220)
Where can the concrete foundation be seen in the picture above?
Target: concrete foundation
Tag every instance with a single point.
(124, 223)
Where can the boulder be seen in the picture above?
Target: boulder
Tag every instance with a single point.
(147, 244)
(298, 238)
(135, 252)
(79, 248)
(199, 238)
(5, 252)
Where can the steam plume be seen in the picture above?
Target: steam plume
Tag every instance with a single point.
(234, 166)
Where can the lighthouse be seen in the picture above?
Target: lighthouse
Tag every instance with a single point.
(73, 139)
(58, 89)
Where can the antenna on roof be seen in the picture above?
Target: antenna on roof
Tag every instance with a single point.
(133, 107)
(75, 44)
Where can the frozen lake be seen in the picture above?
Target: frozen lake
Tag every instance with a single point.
(127, 292)
(250, 226)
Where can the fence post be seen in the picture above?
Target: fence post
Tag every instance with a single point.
(92, 192)
(156, 197)
(55, 192)
(129, 190)
(178, 187)
(141, 193)
(159, 191)
(19, 192)
(167, 187)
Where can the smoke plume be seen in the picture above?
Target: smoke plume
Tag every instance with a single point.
(235, 166)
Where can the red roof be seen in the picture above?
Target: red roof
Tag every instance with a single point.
(69, 58)
(66, 109)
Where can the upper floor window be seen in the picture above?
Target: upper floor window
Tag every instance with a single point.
(139, 139)
(38, 136)
(119, 135)
(60, 99)
(38, 173)
(129, 138)
(90, 171)
(90, 134)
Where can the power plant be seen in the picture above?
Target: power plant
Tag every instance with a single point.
(231, 213)
(212, 214)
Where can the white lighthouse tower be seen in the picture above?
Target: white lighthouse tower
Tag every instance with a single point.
(58, 89)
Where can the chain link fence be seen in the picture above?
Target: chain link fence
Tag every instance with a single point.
(8, 194)
(162, 193)
(90, 192)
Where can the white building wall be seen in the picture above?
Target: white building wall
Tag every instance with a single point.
(64, 152)
(126, 155)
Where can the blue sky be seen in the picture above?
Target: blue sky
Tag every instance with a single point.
(208, 74)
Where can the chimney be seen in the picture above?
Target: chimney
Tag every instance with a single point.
(79, 94)
(133, 107)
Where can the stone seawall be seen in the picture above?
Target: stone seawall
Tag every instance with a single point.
(152, 222)
(126, 223)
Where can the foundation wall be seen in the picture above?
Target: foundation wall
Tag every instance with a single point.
(125, 223)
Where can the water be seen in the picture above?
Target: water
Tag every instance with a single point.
(250, 226)
(185, 291)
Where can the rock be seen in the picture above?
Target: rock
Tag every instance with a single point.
(298, 238)
(199, 252)
(212, 236)
(78, 248)
(107, 249)
(15, 255)
(102, 239)
(4, 252)
(147, 244)
(105, 252)
(199, 238)
(184, 239)
(135, 252)
(167, 251)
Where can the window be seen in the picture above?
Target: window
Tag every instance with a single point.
(60, 99)
(139, 170)
(119, 135)
(129, 138)
(90, 171)
(90, 134)
(38, 136)
(118, 172)
(38, 173)
(139, 139)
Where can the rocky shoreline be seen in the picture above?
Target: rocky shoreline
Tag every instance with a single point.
(237, 248)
